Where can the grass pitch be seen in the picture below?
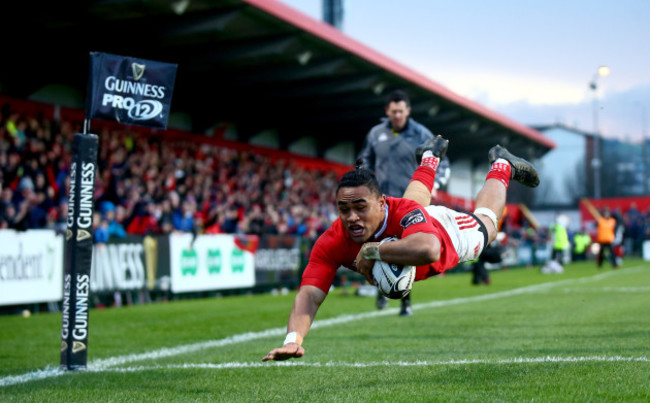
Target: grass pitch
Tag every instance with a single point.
(579, 336)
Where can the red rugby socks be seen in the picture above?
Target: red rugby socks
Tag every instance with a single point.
(426, 172)
(500, 170)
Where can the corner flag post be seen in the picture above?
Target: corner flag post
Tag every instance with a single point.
(125, 90)
(78, 252)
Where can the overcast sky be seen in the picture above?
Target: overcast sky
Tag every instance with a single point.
(530, 60)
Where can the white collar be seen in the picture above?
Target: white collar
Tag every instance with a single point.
(383, 227)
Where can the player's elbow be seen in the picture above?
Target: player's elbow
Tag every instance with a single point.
(431, 251)
(313, 296)
(423, 249)
(431, 255)
(425, 256)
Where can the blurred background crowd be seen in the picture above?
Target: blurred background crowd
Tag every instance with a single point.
(146, 185)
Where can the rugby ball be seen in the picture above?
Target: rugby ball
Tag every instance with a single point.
(393, 280)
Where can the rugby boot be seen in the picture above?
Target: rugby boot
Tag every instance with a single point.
(522, 171)
(382, 302)
(406, 309)
(438, 146)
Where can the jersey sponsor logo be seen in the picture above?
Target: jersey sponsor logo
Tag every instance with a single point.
(414, 217)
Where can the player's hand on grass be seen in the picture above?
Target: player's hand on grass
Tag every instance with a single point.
(289, 350)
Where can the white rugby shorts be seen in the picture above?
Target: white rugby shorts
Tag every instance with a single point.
(466, 231)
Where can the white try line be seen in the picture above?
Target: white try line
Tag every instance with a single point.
(54, 372)
(106, 363)
(343, 364)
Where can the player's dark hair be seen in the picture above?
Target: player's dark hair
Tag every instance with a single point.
(398, 96)
(359, 177)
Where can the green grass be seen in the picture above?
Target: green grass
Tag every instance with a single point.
(580, 336)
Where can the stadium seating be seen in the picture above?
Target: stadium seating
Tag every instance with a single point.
(160, 182)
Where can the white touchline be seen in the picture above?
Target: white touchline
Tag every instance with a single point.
(599, 290)
(105, 363)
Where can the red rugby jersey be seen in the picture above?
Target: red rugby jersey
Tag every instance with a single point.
(335, 248)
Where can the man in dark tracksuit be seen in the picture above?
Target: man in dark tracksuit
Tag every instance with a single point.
(389, 151)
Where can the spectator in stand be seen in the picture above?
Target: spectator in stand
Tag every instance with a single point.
(633, 212)
(30, 215)
(37, 215)
(231, 219)
(164, 215)
(61, 223)
(144, 221)
(15, 219)
(52, 220)
(100, 226)
(11, 173)
(255, 220)
(16, 129)
(113, 228)
(183, 218)
(6, 195)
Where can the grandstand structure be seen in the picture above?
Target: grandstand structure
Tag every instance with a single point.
(276, 76)
(626, 176)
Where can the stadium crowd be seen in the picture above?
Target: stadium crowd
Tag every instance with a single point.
(146, 185)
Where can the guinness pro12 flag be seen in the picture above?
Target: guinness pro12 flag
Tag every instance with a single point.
(129, 90)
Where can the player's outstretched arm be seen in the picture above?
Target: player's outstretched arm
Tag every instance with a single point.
(305, 306)
(416, 249)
